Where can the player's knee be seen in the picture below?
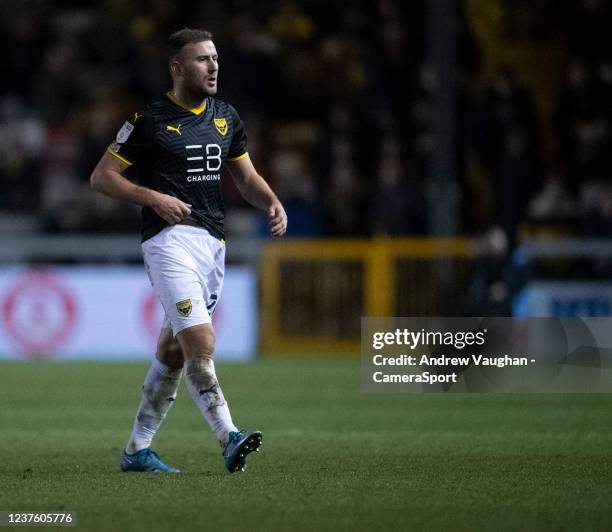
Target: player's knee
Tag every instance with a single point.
(198, 342)
(171, 354)
(206, 347)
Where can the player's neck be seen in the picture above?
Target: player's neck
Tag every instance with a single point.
(187, 99)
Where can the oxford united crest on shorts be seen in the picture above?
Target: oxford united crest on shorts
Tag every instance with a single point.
(184, 307)
(221, 125)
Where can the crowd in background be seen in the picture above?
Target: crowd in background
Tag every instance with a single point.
(337, 101)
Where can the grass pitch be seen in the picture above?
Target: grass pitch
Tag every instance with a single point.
(333, 458)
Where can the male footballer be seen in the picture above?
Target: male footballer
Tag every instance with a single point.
(178, 145)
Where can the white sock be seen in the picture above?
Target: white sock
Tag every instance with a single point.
(206, 392)
(158, 394)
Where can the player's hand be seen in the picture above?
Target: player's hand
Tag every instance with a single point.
(277, 219)
(171, 209)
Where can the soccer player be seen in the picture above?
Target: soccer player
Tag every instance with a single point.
(178, 145)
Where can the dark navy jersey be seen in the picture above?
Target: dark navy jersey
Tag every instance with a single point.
(180, 152)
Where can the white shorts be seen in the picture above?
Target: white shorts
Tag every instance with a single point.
(185, 265)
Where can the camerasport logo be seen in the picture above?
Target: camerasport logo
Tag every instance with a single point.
(39, 313)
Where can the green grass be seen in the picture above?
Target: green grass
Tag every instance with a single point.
(333, 457)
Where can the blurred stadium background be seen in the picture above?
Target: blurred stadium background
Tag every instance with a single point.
(436, 158)
(465, 144)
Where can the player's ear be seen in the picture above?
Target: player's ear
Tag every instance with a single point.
(176, 68)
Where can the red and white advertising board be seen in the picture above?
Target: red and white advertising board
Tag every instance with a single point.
(108, 312)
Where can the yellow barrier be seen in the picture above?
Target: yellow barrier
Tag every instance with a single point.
(314, 292)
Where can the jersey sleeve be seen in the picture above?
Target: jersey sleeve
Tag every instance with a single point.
(238, 147)
(133, 140)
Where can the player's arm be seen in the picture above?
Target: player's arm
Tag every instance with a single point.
(258, 193)
(107, 179)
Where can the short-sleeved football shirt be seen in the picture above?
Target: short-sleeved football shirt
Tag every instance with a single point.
(180, 152)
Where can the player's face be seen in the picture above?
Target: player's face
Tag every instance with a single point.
(199, 62)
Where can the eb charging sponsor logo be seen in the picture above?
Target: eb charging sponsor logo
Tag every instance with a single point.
(39, 313)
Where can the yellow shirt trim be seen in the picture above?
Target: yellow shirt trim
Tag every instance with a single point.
(113, 152)
(194, 110)
(239, 157)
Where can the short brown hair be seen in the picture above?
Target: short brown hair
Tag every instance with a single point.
(180, 38)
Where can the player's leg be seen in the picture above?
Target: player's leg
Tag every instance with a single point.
(191, 315)
(158, 394)
(198, 345)
(186, 267)
(158, 391)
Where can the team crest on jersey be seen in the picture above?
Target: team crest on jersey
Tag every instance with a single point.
(221, 125)
(184, 307)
